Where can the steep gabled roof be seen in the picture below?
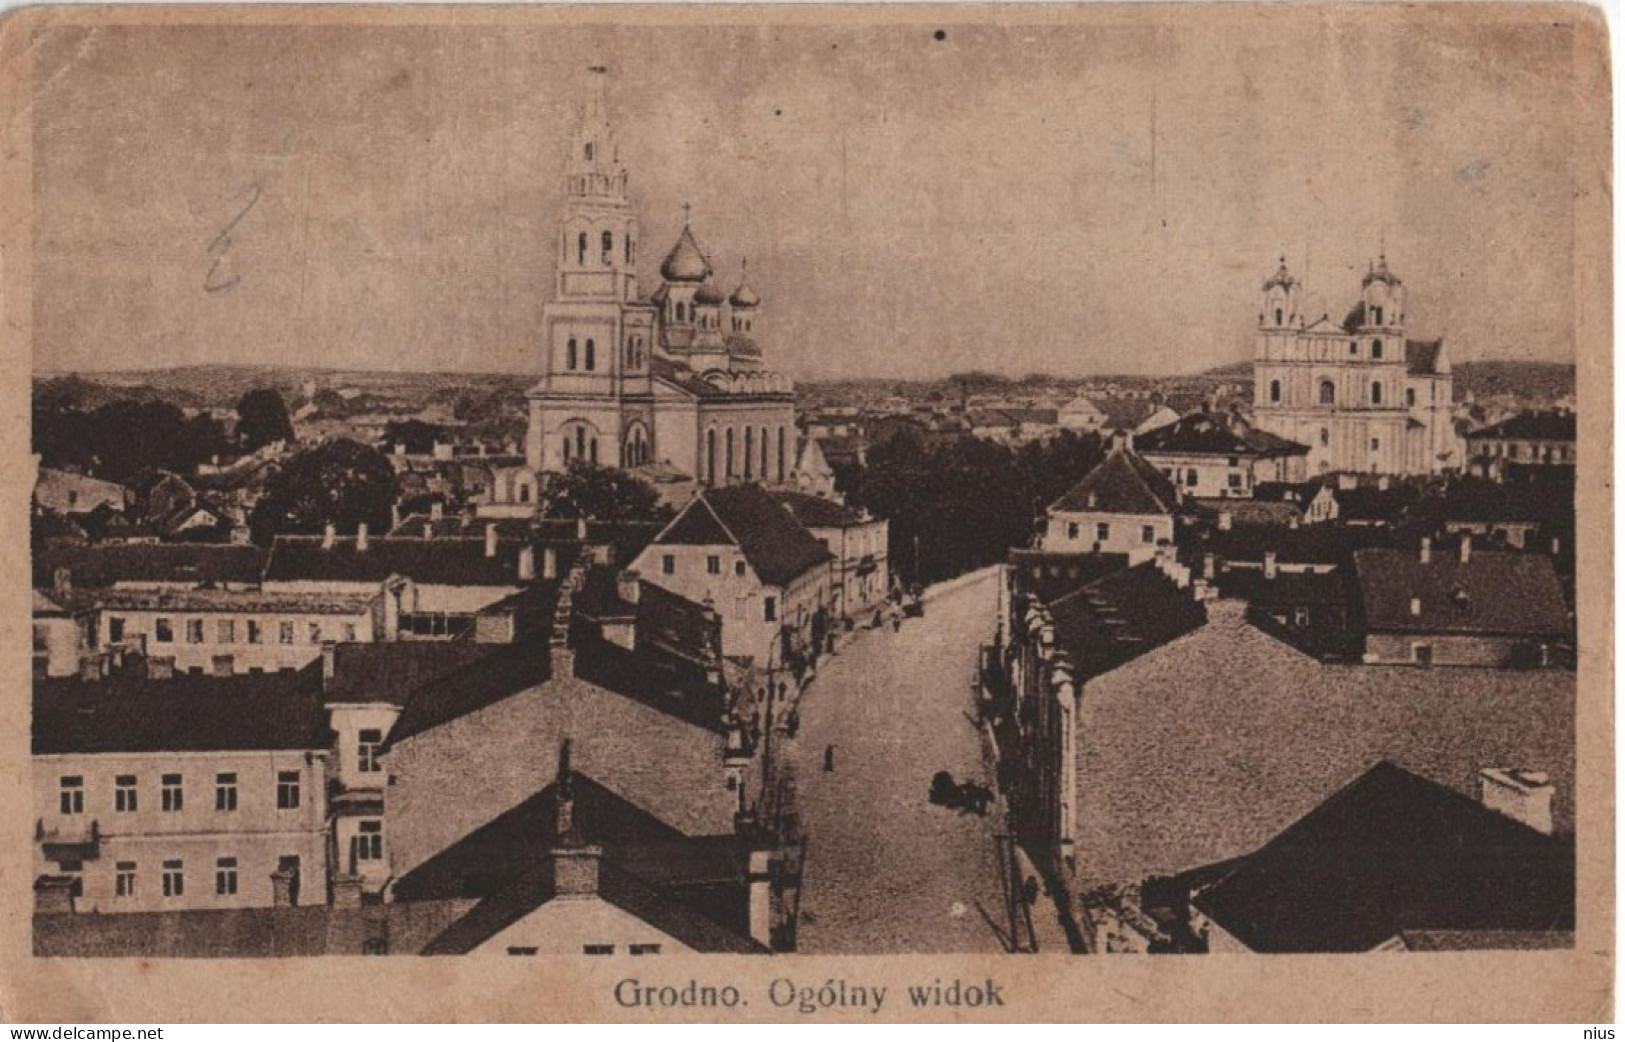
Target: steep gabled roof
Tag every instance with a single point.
(818, 512)
(1210, 434)
(1422, 357)
(1123, 483)
(776, 545)
(438, 562)
(1393, 852)
(1534, 426)
(181, 563)
(1123, 615)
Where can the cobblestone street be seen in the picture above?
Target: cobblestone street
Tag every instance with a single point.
(887, 871)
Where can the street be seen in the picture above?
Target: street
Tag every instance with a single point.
(887, 871)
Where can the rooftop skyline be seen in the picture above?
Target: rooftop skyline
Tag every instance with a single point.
(1101, 197)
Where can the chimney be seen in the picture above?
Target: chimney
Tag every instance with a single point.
(161, 668)
(62, 580)
(1466, 547)
(626, 586)
(329, 535)
(394, 516)
(1210, 566)
(550, 563)
(282, 883)
(53, 895)
(490, 539)
(346, 891)
(1557, 546)
(437, 510)
(1092, 501)
(1382, 483)
(1416, 606)
(329, 661)
(1269, 564)
(760, 881)
(1122, 440)
(527, 563)
(1227, 521)
(1292, 522)
(1521, 795)
(1426, 555)
(581, 529)
(361, 537)
(428, 529)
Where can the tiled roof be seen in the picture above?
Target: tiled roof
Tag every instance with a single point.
(818, 512)
(239, 601)
(503, 671)
(774, 543)
(184, 713)
(1531, 426)
(434, 562)
(1123, 615)
(1048, 576)
(179, 563)
(1123, 483)
(1326, 544)
(1493, 593)
(1388, 853)
(1207, 434)
(668, 683)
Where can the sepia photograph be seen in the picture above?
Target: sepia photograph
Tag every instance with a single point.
(585, 489)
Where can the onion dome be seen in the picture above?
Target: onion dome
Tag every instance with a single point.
(685, 262)
(744, 296)
(1281, 278)
(1379, 273)
(708, 296)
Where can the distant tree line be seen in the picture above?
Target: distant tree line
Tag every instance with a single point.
(961, 505)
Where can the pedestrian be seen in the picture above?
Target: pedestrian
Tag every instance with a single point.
(829, 757)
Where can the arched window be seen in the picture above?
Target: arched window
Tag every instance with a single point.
(711, 456)
(629, 249)
(1376, 349)
(608, 244)
(1328, 393)
(581, 441)
(581, 248)
(1354, 347)
(728, 453)
(1325, 436)
(1277, 316)
(749, 435)
(570, 354)
(524, 492)
(591, 361)
(1275, 390)
(764, 453)
(1410, 396)
(592, 449)
(567, 448)
(781, 453)
(1376, 393)
(589, 151)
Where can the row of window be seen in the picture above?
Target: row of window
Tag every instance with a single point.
(1328, 393)
(606, 246)
(254, 631)
(756, 451)
(1103, 532)
(590, 949)
(713, 566)
(1541, 453)
(172, 788)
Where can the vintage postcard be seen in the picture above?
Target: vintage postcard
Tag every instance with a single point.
(808, 513)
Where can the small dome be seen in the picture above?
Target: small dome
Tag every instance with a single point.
(1281, 278)
(744, 297)
(708, 295)
(1379, 273)
(685, 262)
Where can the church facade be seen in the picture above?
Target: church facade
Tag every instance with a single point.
(1362, 396)
(673, 380)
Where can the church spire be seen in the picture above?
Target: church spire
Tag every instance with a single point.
(595, 163)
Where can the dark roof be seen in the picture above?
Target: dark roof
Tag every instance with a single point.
(437, 562)
(183, 713)
(181, 563)
(1122, 484)
(1299, 492)
(644, 868)
(1123, 615)
(504, 671)
(685, 262)
(1048, 576)
(774, 543)
(1492, 501)
(1388, 853)
(683, 378)
(1422, 357)
(1370, 503)
(671, 684)
(390, 672)
(1325, 543)
(1494, 592)
(1485, 940)
(818, 512)
(1210, 434)
(1531, 426)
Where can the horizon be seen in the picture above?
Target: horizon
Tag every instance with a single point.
(1104, 193)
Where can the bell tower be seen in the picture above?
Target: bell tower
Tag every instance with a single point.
(598, 232)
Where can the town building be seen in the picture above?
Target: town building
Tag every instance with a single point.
(743, 552)
(1530, 439)
(64, 492)
(860, 569)
(1462, 607)
(62, 634)
(1359, 394)
(1221, 456)
(676, 377)
(184, 793)
(1123, 506)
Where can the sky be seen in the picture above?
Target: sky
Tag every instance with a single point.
(1100, 196)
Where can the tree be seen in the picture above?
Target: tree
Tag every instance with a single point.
(601, 493)
(262, 418)
(340, 482)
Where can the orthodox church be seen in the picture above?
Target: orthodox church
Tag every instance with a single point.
(671, 382)
(1362, 396)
